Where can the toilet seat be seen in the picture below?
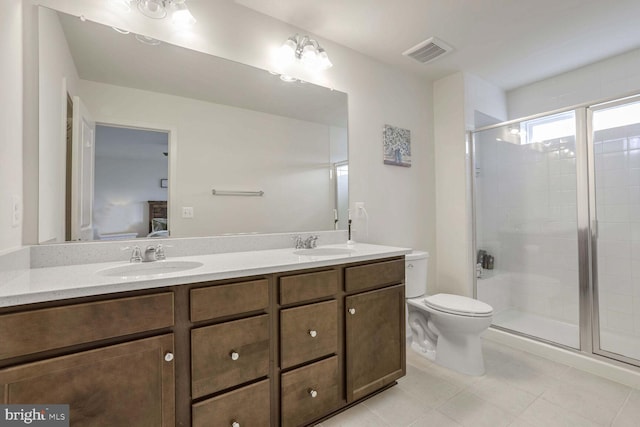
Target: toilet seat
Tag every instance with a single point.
(459, 305)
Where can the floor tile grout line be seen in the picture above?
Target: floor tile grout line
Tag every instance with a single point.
(621, 407)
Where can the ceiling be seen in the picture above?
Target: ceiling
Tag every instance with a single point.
(509, 43)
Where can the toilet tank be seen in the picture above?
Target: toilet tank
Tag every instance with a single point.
(415, 274)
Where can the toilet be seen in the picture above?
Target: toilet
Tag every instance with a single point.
(444, 328)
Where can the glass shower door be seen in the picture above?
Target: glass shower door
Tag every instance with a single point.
(615, 205)
(526, 226)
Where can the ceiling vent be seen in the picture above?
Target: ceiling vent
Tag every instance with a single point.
(428, 50)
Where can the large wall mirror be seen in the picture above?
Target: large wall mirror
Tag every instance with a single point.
(136, 136)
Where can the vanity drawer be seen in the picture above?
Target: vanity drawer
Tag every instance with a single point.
(226, 300)
(229, 354)
(374, 275)
(298, 386)
(305, 287)
(308, 332)
(50, 328)
(248, 406)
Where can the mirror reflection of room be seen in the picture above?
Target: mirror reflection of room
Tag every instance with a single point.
(130, 187)
(229, 127)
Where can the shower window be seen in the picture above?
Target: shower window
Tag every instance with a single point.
(526, 224)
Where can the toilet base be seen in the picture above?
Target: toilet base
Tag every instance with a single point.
(461, 353)
(429, 353)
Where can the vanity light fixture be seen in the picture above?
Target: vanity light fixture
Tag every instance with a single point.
(159, 9)
(306, 50)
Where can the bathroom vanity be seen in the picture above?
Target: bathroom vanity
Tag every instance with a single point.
(289, 344)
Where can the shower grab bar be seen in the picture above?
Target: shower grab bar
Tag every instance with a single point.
(237, 193)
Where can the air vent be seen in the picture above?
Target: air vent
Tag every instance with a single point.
(429, 50)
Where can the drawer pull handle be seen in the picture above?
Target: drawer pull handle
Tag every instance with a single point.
(168, 356)
(234, 355)
(235, 424)
(352, 311)
(313, 333)
(313, 393)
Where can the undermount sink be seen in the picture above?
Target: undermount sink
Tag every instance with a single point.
(149, 268)
(323, 251)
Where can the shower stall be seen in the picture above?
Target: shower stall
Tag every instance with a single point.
(557, 227)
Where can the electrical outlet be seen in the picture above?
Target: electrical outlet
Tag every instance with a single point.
(16, 211)
(187, 212)
(359, 208)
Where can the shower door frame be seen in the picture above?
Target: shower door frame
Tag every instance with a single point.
(589, 310)
(593, 235)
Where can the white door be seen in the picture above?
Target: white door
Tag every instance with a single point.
(83, 158)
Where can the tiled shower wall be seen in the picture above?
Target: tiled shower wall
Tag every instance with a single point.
(526, 218)
(617, 180)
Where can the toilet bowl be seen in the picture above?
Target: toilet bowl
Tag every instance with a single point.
(444, 328)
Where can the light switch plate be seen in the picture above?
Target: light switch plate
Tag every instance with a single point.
(187, 212)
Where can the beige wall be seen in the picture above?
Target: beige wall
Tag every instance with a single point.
(457, 98)
(10, 122)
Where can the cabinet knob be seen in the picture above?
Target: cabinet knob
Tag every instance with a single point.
(312, 392)
(168, 356)
(409, 265)
(313, 333)
(352, 311)
(235, 424)
(234, 355)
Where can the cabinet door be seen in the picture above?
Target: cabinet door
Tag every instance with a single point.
(128, 384)
(375, 340)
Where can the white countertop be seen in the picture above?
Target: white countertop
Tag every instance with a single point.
(56, 283)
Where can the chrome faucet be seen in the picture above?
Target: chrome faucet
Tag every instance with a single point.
(311, 242)
(308, 243)
(299, 244)
(149, 254)
(136, 254)
(160, 255)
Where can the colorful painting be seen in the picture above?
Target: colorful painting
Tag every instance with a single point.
(397, 146)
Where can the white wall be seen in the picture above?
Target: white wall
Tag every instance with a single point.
(614, 77)
(11, 49)
(400, 201)
(58, 76)
(227, 148)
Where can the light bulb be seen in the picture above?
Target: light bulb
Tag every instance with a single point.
(309, 56)
(323, 60)
(152, 8)
(287, 52)
(181, 16)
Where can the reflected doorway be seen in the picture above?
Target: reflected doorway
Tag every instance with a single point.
(131, 183)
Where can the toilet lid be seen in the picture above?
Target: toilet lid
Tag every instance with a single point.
(457, 304)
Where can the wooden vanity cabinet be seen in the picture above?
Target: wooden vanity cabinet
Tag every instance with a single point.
(375, 337)
(84, 355)
(283, 349)
(374, 327)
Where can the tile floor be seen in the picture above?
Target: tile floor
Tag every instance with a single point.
(519, 389)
